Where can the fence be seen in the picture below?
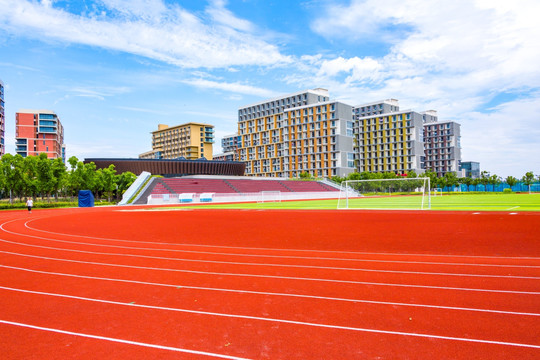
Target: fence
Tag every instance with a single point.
(157, 199)
(519, 187)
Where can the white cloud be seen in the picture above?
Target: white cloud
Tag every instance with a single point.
(148, 28)
(230, 87)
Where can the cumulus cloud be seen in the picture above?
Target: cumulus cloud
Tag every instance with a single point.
(149, 28)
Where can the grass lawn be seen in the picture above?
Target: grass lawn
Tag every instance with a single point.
(469, 202)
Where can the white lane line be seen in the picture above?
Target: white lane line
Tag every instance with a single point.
(273, 249)
(274, 293)
(274, 265)
(271, 276)
(268, 256)
(129, 342)
(283, 321)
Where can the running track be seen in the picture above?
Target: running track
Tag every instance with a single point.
(247, 284)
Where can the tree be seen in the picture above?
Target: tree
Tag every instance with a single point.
(124, 181)
(45, 175)
(484, 179)
(450, 179)
(108, 182)
(432, 178)
(59, 174)
(30, 176)
(528, 179)
(494, 180)
(511, 181)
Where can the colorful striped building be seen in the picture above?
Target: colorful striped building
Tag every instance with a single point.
(297, 133)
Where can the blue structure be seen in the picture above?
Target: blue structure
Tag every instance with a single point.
(86, 198)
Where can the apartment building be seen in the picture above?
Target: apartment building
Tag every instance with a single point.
(442, 145)
(191, 141)
(387, 139)
(229, 145)
(295, 133)
(39, 131)
(2, 120)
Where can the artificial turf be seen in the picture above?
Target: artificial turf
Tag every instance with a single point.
(446, 202)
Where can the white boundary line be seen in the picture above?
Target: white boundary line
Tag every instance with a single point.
(283, 321)
(273, 249)
(262, 255)
(271, 276)
(273, 293)
(274, 265)
(129, 342)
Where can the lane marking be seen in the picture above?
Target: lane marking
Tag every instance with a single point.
(292, 322)
(273, 249)
(271, 276)
(268, 256)
(129, 342)
(275, 265)
(274, 293)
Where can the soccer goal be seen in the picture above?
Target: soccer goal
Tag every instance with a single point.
(399, 193)
(269, 196)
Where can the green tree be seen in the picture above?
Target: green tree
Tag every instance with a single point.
(30, 176)
(511, 181)
(528, 179)
(59, 174)
(450, 179)
(45, 175)
(108, 182)
(124, 181)
(432, 178)
(484, 179)
(12, 175)
(494, 180)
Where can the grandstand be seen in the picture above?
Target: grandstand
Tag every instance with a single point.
(232, 188)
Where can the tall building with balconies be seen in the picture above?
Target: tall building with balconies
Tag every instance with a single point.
(442, 146)
(39, 131)
(2, 120)
(190, 141)
(296, 133)
(388, 140)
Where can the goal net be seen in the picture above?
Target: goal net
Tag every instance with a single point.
(269, 196)
(400, 193)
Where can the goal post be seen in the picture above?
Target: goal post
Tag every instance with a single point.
(398, 193)
(269, 196)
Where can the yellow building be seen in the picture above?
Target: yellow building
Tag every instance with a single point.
(191, 141)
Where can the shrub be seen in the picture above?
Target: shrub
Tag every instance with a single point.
(507, 191)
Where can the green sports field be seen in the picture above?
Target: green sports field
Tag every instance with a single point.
(453, 202)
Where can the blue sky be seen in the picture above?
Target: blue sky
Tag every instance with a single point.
(115, 69)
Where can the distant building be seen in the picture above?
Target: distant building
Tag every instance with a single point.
(2, 120)
(190, 141)
(295, 133)
(470, 169)
(442, 145)
(229, 144)
(39, 131)
(388, 140)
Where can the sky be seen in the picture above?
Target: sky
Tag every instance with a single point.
(112, 70)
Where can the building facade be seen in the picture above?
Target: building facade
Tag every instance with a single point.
(442, 146)
(39, 131)
(2, 120)
(229, 144)
(296, 133)
(190, 141)
(470, 169)
(388, 140)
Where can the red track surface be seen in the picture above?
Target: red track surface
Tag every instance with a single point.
(200, 284)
